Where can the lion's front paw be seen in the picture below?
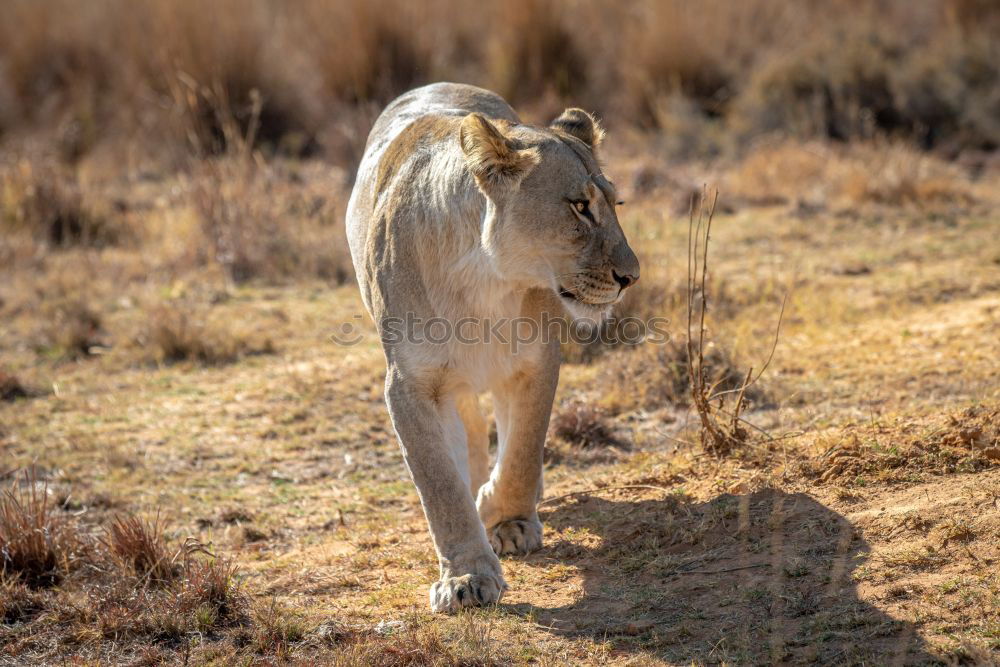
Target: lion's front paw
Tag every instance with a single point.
(471, 590)
(516, 536)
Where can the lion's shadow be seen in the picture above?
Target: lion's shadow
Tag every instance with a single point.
(761, 578)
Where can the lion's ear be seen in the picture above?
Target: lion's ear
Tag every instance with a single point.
(495, 161)
(580, 124)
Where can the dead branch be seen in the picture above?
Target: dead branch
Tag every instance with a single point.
(722, 430)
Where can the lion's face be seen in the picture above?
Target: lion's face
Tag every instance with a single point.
(552, 218)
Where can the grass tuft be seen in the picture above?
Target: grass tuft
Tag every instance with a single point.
(211, 591)
(138, 547)
(36, 544)
(276, 629)
(18, 603)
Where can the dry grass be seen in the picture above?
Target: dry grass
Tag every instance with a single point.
(258, 229)
(286, 463)
(138, 546)
(639, 551)
(175, 334)
(12, 388)
(60, 589)
(814, 177)
(48, 202)
(583, 425)
(208, 77)
(37, 545)
(74, 329)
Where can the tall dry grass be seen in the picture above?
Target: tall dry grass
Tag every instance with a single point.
(189, 75)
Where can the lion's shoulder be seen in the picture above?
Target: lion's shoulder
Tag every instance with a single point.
(425, 134)
(424, 122)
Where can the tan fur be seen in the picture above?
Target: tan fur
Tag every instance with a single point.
(493, 159)
(580, 124)
(424, 130)
(459, 211)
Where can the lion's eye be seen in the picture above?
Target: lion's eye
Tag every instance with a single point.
(581, 207)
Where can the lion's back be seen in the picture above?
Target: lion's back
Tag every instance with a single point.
(436, 98)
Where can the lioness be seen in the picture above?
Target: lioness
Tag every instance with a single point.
(463, 217)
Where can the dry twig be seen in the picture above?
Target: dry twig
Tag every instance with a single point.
(721, 430)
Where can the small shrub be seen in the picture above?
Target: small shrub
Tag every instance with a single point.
(11, 388)
(260, 229)
(656, 376)
(48, 203)
(584, 425)
(721, 430)
(173, 335)
(74, 329)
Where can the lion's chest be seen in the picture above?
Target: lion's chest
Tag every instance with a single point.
(480, 344)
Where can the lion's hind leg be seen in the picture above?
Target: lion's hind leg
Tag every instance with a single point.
(478, 439)
(506, 503)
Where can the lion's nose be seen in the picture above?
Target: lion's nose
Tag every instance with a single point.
(624, 280)
(625, 265)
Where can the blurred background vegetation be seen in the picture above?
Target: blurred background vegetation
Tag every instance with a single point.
(174, 78)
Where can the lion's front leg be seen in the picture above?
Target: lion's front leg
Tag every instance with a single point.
(470, 573)
(507, 502)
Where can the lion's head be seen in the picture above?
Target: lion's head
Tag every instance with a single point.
(551, 219)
